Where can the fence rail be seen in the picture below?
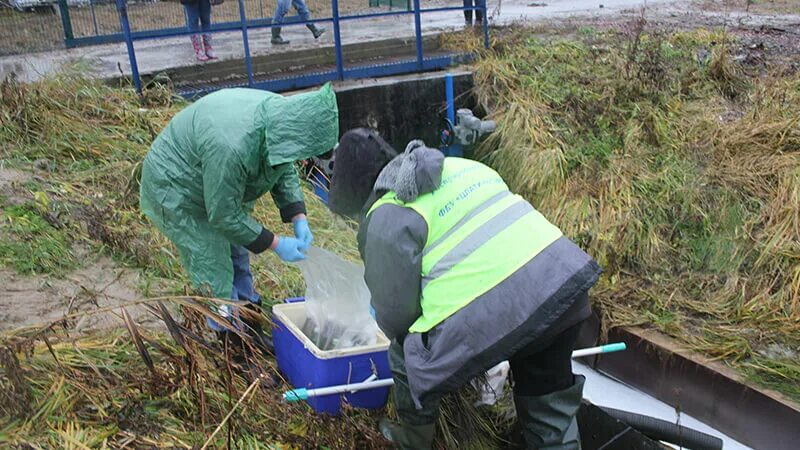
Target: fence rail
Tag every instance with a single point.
(419, 64)
(47, 24)
(37, 25)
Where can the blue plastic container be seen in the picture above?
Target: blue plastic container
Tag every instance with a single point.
(321, 186)
(306, 366)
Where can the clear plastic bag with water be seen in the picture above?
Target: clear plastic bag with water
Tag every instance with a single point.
(337, 302)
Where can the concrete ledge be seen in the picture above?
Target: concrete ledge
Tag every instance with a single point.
(705, 389)
(292, 62)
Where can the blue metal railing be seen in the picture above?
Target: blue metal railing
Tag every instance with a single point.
(419, 64)
(248, 61)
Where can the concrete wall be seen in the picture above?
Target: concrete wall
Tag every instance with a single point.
(402, 108)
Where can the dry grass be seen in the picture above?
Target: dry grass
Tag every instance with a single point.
(678, 169)
(143, 387)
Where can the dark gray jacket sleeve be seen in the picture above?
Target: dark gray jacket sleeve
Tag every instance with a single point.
(392, 255)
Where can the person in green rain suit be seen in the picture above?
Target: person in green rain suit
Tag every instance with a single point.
(206, 169)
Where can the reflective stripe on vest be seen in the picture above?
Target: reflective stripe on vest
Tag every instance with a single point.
(479, 233)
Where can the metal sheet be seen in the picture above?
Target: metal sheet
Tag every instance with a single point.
(704, 389)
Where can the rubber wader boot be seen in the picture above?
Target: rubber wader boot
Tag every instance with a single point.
(254, 330)
(548, 421)
(232, 343)
(315, 30)
(276, 37)
(407, 437)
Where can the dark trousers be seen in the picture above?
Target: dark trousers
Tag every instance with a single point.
(543, 367)
(198, 15)
(478, 12)
(242, 285)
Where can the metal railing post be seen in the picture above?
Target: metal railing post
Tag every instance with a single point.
(337, 39)
(448, 93)
(485, 26)
(122, 9)
(418, 33)
(248, 62)
(65, 20)
(94, 18)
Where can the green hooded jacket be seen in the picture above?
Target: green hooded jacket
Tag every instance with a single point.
(205, 170)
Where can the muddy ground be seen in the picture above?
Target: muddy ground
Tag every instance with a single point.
(99, 282)
(765, 27)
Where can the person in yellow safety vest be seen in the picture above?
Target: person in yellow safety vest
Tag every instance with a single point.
(464, 274)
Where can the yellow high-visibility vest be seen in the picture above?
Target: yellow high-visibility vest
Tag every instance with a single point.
(479, 233)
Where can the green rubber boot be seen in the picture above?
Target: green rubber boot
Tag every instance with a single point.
(315, 30)
(276, 37)
(408, 437)
(548, 422)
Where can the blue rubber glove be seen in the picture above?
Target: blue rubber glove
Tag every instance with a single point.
(303, 232)
(290, 249)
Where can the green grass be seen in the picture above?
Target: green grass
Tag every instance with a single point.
(624, 141)
(677, 172)
(96, 389)
(31, 244)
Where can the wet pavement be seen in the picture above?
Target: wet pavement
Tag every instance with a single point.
(111, 60)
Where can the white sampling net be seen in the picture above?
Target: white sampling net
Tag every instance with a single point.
(337, 302)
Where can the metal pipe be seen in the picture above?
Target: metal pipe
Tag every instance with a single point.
(448, 88)
(247, 60)
(215, 28)
(417, 33)
(420, 64)
(370, 379)
(94, 18)
(374, 15)
(608, 348)
(337, 39)
(449, 8)
(65, 21)
(404, 12)
(221, 27)
(295, 395)
(316, 78)
(122, 8)
(485, 26)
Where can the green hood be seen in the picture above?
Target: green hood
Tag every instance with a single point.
(217, 156)
(300, 126)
